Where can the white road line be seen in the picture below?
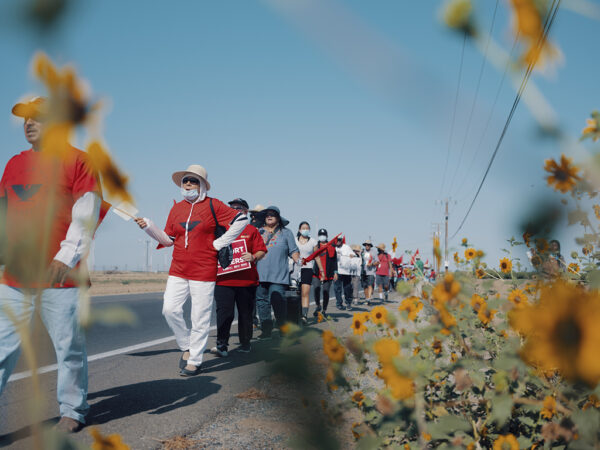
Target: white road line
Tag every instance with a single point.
(119, 351)
(97, 356)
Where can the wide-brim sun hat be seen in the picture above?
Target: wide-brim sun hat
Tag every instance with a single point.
(356, 248)
(258, 208)
(368, 242)
(282, 220)
(194, 170)
(381, 247)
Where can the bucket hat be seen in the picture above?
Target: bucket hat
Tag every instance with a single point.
(284, 222)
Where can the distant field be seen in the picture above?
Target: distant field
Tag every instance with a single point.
(117, 282)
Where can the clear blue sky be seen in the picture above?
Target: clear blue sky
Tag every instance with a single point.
(341, 119)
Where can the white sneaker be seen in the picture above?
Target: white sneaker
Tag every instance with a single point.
(219, 352)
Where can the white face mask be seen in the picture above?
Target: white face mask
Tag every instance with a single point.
(323, 238)
(190, 195)
(193, 195)
(305, 233)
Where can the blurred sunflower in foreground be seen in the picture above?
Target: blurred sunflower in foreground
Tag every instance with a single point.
(561, 331)
(563, 176)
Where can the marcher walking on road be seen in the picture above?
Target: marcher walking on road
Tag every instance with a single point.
(384, 272)
(190, 229)
(306, 245)
(273, 270)
(346, 267)
(50, 208)
(238, 289)
(324, 272)
(370, 263)
(355, 273)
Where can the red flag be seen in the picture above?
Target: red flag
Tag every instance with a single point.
(321, 250)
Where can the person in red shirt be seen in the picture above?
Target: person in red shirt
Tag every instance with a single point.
(190, 229)
(239, 289)
(50, 207)
(384, 271)
(324, 272)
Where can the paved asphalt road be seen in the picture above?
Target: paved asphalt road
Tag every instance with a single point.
(139, 393)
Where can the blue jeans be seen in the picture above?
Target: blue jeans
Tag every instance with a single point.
(59, 312)
(267, 295)
(343, 285)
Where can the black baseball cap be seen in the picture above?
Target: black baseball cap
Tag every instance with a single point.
(239, 201)
(322, 232)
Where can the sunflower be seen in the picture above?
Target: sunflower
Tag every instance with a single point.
(573, 268)
(480, 253)
(355, 433)
(506, 442)
(358, 325)
(563, 176)
(587, 249)
(549, 409)
(592, 402)
(591, 128)
(518, 298)
(378, 315)
(446, 317)
(527, 238)
(358, 397)
(536, 260)
(477, 302)
(366, 316)
(479, 273)
(111, 441)
(412, 306)
(400, 386)
(561, 331)
(542, 245)
(436, 346)
(446, 289)
(320, 317)
(464, 241)
(505, 265)
(332, 347)
(456, 258)
(386, 349)
(470, 253)
(486, 315)
(416, 350)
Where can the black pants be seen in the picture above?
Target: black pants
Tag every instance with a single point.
(227, 297)
(343, 284)
(321, 288)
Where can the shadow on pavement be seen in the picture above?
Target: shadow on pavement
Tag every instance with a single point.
(155, 352)
(261, 351)
(154, 397)
(23, 433)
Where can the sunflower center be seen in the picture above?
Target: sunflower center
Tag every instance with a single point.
(568, 335)
(357, 324)
(561, 175)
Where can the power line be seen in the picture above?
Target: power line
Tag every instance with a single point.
(483, 61)
(462, 56)
(547, 25)
(489, 119)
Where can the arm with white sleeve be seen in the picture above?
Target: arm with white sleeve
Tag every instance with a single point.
(157, 234)
(84, 218)
(236, 227)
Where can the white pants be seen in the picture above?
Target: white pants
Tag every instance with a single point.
(176, 294)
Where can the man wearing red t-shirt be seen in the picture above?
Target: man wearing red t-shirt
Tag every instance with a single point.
(190, 229)
(384, 271)
(50, 208)
(239, 289)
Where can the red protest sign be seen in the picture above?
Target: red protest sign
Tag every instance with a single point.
(237, 263)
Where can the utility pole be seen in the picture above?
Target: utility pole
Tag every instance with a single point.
(147, 255)
(446, 238)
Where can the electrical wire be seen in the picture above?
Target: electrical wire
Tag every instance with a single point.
(481, 69)
(462, 57)
(547, 25)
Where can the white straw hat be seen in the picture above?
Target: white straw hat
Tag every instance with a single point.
(194, 170)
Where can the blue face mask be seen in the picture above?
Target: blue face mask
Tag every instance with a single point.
(190, 195)
(305, 233)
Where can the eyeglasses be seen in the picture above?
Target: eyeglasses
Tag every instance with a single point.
(190, 180)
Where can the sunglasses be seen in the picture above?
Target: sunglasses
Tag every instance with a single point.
(237, 207)
(271, 215)
(190, 180)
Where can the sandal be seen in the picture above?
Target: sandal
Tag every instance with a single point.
(190, 373)
(183, 362)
